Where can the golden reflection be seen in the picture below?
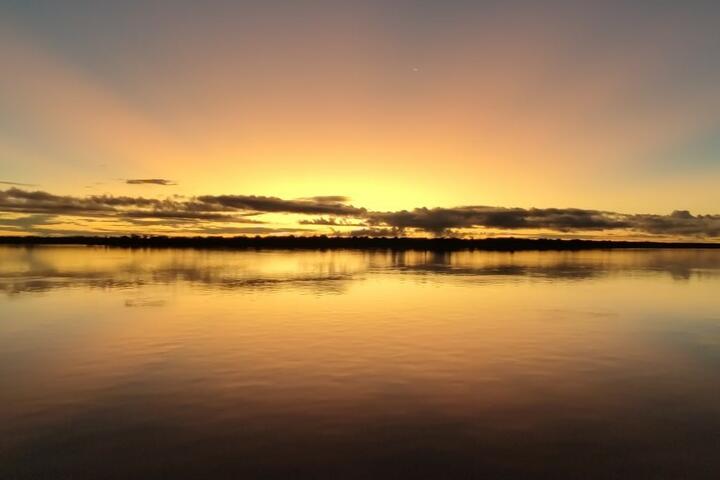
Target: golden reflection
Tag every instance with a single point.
(339, 340)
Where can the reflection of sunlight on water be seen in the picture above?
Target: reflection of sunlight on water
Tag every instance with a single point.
(493, 362)
(44, 268)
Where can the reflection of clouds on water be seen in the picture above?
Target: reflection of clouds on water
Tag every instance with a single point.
(679, 264)
(318, 285)
(36, 285)
(41, 269)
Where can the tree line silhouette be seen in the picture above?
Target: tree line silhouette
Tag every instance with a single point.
(291, 242)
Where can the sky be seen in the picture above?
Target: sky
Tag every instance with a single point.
(469, 118)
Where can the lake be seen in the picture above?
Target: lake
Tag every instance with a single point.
(172, 363)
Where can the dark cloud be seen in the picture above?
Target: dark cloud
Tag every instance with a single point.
(202, 215)
(215, 214)
(206, 207)
(679, 223)
(317, 205)
(23, 201)
(440, 220)
(328, 199)
(149, 181)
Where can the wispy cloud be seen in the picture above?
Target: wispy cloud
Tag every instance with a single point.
(371, 232)
(332, 222)
(149, 181)
(17, 184)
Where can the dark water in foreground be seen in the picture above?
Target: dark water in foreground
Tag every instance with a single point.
(207, 364)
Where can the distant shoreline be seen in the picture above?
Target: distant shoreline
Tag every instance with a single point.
(340, 243)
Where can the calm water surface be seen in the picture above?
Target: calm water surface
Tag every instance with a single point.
(120, 363)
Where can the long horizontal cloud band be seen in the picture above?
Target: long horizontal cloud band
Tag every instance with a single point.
(208, 214)
(439, 220)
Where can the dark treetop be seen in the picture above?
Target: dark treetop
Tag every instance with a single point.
(325, 242)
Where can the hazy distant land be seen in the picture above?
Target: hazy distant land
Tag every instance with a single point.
(325, 242)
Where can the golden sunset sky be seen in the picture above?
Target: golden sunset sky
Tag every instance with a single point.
(551, 118)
